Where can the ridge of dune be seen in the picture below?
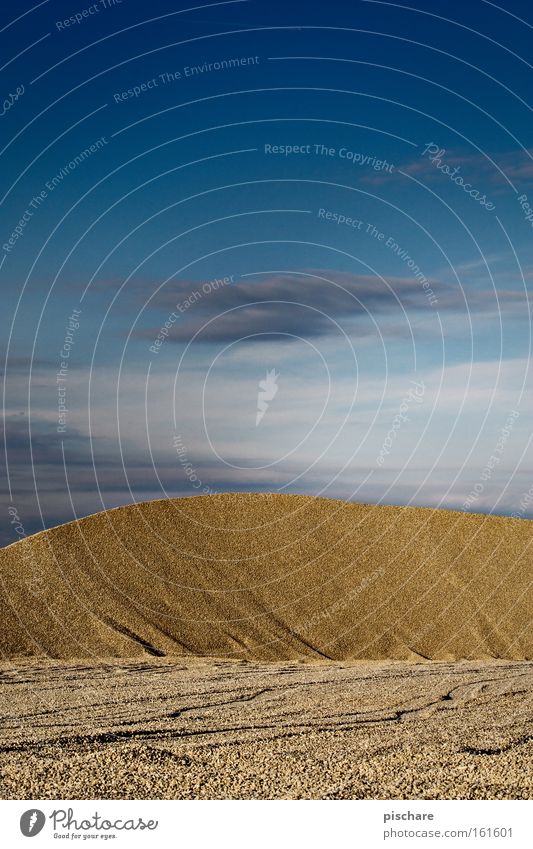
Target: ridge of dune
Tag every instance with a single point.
(271, 577)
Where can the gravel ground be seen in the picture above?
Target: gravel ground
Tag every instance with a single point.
(209, 729)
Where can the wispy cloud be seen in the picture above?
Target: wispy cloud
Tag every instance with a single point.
(313, 304)
(515, 165)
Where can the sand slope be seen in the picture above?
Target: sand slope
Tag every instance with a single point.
(271, 577)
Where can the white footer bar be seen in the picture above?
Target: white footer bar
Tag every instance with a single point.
(258, 824)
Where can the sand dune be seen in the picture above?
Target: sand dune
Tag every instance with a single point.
(271, 577)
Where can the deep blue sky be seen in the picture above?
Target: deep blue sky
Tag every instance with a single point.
(400, 339)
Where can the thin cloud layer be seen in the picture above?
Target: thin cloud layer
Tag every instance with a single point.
(313, 304)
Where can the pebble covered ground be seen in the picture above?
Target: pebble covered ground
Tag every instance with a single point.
(209, 729)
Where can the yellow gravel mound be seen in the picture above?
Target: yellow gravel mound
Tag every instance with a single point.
(271, 577)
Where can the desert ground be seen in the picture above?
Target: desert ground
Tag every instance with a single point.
(218, 729)
(268, 646)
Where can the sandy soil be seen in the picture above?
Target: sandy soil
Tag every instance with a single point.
(217, 729)
(322, 610)
(271, 577)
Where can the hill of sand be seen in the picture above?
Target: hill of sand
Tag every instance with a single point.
(271, 577)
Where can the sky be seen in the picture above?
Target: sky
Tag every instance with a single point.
(252, 246)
